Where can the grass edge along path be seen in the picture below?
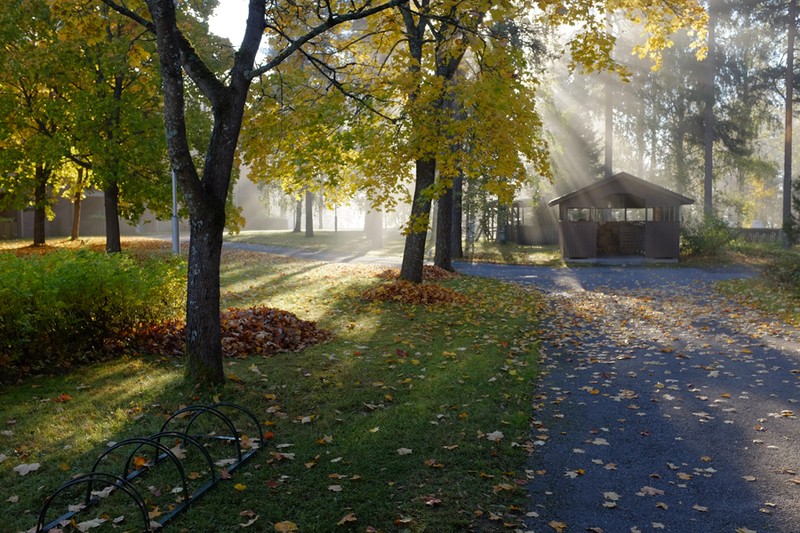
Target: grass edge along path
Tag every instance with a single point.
(414, 418)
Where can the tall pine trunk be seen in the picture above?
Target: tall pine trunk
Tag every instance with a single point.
(787, 139)
(708, 83)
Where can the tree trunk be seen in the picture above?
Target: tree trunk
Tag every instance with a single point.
(309, 213)
(709, 75)
(787, 139)
(203, 338)
(298, 217)
(608, 165)
(76, 205)
(111, 205)
(414, 250)
(42, 176)
(320, 211)
(456, 240)
(444, 232)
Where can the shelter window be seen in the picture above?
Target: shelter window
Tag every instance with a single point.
(636, 215)
(579, 214)
(663, 214)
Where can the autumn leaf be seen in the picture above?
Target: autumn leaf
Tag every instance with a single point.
(700, 508)
(240, 486)
(495, 436)
(286, 527)
(63, 398)
(25, 469)
(559, 527)
(347, 519)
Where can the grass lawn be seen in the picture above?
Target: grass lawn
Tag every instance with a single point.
(355, 242)
(411, 419)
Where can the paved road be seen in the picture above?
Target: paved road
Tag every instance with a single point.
(663, 407)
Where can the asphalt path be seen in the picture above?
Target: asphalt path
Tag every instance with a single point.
(662, 405)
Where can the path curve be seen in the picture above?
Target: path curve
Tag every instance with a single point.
(662, 405)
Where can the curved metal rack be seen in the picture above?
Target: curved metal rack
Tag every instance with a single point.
(163, 454)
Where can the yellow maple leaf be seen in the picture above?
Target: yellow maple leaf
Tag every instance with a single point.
(286, 527)
(240, 486)
(557, 526)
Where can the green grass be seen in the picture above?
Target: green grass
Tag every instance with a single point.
(779, 299)
(356, 243)
(436, 381)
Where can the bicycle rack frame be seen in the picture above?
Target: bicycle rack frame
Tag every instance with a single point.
(163, 455)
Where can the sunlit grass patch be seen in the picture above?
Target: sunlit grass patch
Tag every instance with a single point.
(412, 417)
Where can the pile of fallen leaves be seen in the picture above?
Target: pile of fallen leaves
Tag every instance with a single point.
(429, 273)
(414, 293)
(256, 330)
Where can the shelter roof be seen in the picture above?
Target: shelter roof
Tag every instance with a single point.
(623, 183)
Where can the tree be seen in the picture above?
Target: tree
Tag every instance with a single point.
(289, 27)
(31, 150)
(791, 36)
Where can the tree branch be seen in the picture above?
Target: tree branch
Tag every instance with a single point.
(332, 21)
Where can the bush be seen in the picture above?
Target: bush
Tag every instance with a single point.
(707, 238)
(57, 309)
(785, 270)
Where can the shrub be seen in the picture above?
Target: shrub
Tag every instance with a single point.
(785, 270)
(56, 309)
(707, 238)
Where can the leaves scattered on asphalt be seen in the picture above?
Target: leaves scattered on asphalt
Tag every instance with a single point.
(657, 403)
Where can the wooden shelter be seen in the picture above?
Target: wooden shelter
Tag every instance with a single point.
(620, 215)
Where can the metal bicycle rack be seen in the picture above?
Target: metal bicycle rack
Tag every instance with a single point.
(178, 427)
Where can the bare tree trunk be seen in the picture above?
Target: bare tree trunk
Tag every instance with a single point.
(309, 213)
(456, 240)
(709, 75)
(76, 205)
(298, 216)
(414, 250)
(42, 176)
(203, 337)
(787, 139)
(444, 231)
(111, 206)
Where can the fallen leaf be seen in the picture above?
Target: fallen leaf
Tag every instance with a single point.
(349, 518)
(700, 508)
(651, 491)
(90, 524)
(495, 436)
(286, 527)
(749, 478)
(335, 488)
(403, 451)
(559, 527)
(12, 499)
(240, 486)
(25, 469)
